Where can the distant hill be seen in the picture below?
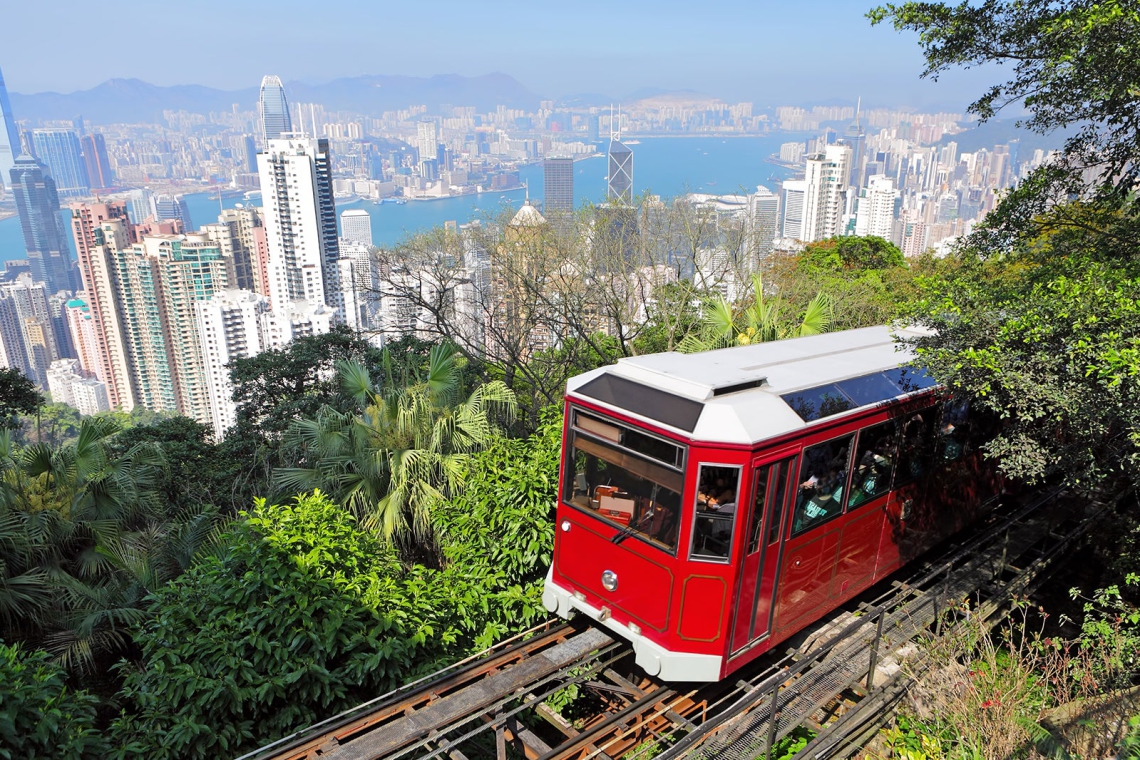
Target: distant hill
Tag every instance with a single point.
(132, 100)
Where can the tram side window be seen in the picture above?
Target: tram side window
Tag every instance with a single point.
(954, 430)
(916, 445)
(823, 476)
(875, 458)
(640, 496)
(718, 488)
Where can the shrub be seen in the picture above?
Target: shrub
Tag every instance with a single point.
(39, 715)
(272, 633)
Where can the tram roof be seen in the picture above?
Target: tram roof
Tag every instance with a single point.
(746, 394)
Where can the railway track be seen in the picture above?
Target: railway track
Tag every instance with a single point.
(839, 679)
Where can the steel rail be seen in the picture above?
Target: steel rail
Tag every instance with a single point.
(470, 667)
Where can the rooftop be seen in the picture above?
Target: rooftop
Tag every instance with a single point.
(745, 394)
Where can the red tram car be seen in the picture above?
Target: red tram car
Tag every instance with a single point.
(713, 504)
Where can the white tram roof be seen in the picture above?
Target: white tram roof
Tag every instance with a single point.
(746, 394)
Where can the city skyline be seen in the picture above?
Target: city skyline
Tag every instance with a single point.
(652, 50)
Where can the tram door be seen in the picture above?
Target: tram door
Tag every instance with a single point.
(766, 517)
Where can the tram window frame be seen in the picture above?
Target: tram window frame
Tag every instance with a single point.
(596, 424)
(791, 467)
(603, 439)
(697, 515)
(801, 500)
(893, 459)
(930, 416)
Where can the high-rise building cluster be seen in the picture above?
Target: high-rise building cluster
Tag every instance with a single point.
(893, 183)
(156, 309)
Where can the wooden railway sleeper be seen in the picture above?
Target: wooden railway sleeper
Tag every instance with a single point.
(672, 715)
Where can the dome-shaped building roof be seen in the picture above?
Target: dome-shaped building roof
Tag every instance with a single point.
(528, 216)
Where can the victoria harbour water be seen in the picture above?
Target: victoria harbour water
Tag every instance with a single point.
(665, 166)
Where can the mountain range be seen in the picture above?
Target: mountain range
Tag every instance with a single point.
(135, 101)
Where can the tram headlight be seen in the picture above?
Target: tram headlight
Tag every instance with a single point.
(565, 526)
(609, 580)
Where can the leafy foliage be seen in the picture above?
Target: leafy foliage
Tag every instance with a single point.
(40, 716)
(303, 614)
(756, 319)
(401, 451)
(269, 634)
(1071, 63)
(18, 395)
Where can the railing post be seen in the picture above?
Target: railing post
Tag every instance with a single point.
(875, 650)
(943, 597)
(772, 722)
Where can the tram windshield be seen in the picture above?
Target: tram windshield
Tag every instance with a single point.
(622, 486)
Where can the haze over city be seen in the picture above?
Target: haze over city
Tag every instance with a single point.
(764, 51)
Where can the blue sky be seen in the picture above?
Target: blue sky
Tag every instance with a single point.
(768, 51)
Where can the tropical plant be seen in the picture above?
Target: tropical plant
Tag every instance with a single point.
(40, 715)
(85, 539)
(756, 320)
(276, 630)
(402, 450)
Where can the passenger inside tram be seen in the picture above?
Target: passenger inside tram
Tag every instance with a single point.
(875, 463)
(717, 489)
(822, 479)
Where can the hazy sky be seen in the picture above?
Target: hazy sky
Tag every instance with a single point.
(768, 51)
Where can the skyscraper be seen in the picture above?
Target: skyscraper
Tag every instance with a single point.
(356, 225)
(160, 279)
(427, 140)
(619, 181)
(9, 137)
(59, 149)
(558, 185)
(141, 206)
(793, 224)
(82, 330)
(249, 148)
(229, 327)
(857, 139)
(100, 230)
(275, 119)
(825, 194)
(763, 223)
(300, 222)
(44, 237)
(96, 161)
(235, 232)
(26, 307)
(875, 214)
(170, 207)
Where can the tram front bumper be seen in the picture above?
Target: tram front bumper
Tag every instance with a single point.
(650, 656)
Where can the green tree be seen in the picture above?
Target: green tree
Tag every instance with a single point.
(275, 388)
(401, 451)
(851, 253)
(756, 319)
(40, 715)
(85, 537)
(197, 470)
(18, 395)
(276, 630)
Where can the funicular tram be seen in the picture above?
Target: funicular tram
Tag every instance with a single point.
(713, 504)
